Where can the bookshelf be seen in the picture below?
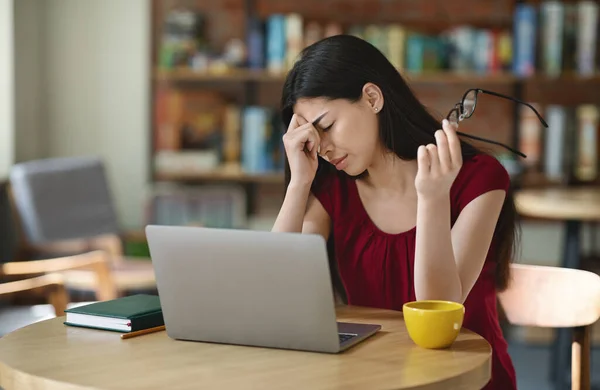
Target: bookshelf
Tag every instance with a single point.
(229, 20)
(240, 75)
(234, 75)
(222, 176)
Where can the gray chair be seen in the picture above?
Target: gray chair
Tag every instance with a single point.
(63, 199)
(64, 207)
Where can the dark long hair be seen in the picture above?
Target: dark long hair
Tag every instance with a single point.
(337, 68)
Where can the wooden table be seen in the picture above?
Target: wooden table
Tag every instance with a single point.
(572, 207)
(561, 203)
(50, 355)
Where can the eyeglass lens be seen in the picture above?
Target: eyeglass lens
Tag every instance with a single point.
(453, 117)
(468, 104)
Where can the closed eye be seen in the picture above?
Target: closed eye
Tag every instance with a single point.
(328, 127)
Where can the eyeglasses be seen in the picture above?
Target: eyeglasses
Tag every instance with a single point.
(466, 107)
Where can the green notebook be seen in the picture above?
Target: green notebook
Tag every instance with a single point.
(127, 314)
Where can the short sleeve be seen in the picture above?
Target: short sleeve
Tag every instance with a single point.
(480, 174)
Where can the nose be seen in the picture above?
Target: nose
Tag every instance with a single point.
(325, 147)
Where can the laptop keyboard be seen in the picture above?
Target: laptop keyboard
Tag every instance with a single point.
(346, 336)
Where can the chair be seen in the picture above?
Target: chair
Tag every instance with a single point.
(63, 206)
(51, 285)
(46, 276)
(556, 297)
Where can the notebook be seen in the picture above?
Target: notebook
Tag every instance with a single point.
(127, 314)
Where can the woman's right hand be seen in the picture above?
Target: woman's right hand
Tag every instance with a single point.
(301, 142)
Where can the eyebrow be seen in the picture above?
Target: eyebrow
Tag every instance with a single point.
(316, 121)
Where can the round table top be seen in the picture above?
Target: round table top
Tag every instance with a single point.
(51, 355)
(579, 203)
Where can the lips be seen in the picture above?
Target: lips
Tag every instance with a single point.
(338, 160)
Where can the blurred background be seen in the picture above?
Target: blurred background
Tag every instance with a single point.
(115, 114)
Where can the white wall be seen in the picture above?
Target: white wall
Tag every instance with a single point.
(6, 88)
(96, 88)
(541, 243)
(31, 136)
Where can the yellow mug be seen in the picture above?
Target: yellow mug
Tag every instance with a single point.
(433, 324)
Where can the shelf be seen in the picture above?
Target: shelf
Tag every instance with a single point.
(570, 77)
(223, 176)
(526, 180)
(458, 78)
(568, 89)
(239, 75)
(234, 75)
(430, 15)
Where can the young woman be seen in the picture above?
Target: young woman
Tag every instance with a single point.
(412, 212)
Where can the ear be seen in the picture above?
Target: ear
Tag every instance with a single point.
(373, 97)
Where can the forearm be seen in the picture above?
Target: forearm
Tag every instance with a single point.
(435, 271)
(291, 214)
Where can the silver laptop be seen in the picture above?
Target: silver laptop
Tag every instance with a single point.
(248, 287)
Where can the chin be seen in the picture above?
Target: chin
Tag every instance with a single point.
(356, 173)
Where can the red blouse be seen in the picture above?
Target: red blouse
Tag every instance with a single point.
(377, 268)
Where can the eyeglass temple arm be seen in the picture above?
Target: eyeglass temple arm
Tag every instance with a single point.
(517, 101)
(491, 142)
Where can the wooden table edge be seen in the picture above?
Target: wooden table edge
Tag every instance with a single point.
(12, 378)
(480, 375)
(541, 204)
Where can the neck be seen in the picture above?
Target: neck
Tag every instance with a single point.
(389, 172)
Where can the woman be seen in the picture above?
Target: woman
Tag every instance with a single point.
(412, 212)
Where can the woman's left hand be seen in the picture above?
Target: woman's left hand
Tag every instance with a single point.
(438, 165)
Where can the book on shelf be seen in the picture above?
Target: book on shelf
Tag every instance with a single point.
(188, 129)
(294, 38)
(276, 44)
(586, 166)
(126, 314)
(255, 43)
(396, 45)
(525, 26)
(220, 206)
(530, 141)
(552, 18)
(273, 43)
(262, 145)
(587, 35)
(569, 36)
(568, 150)
(555, 157)
(199, 131)
(566, 36)
(550, 37)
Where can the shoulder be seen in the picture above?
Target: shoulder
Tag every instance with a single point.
(479, 174)
(483, 167)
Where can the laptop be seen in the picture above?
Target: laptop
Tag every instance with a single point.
(250, 288)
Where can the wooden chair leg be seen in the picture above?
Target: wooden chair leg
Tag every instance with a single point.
(580, 363)
(105, 287)
(59, 298)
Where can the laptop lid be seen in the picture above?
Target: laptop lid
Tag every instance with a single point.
(245, 287)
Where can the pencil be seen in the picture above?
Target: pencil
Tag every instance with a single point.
(141, 332)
